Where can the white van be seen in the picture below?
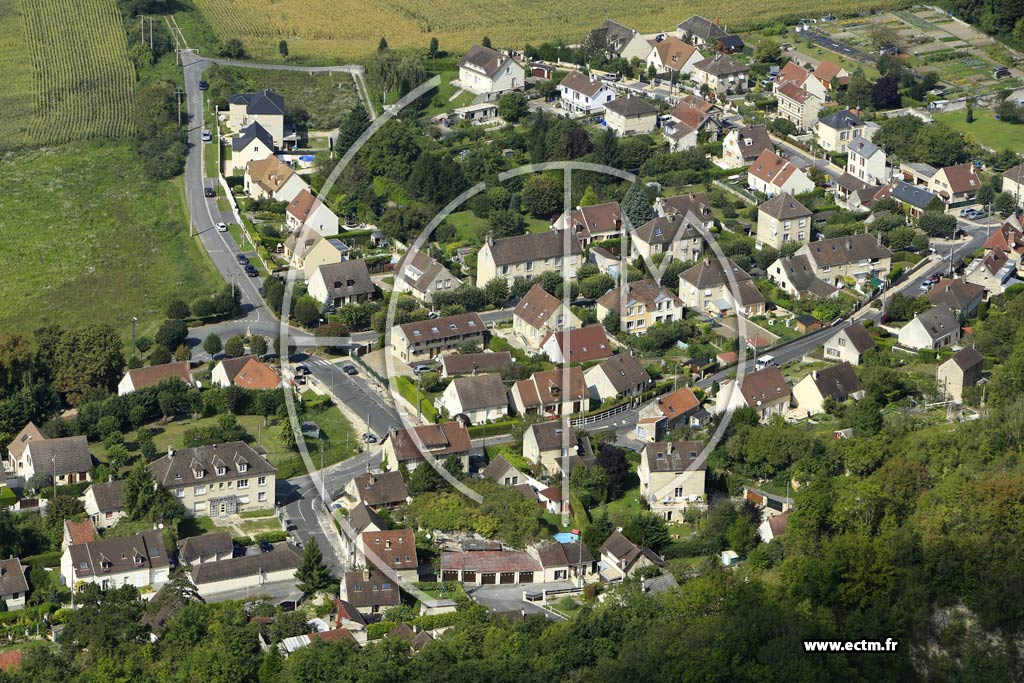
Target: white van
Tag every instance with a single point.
(763, 362)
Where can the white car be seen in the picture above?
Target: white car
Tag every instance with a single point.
(221, 227)
(207, 136)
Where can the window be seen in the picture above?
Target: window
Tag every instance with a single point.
(198, 474)
(242, 467)
(529, 265)
(199, 490)
(243, 483)
(262, 497)
(262, 481)
(679, 492)
(221, 471)
(180, 493)
(842, 341)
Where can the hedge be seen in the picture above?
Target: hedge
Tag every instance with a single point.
(50, 559)
(242, 540)
(492, 429)
(380, 629)
(272, 536)
(407, 390)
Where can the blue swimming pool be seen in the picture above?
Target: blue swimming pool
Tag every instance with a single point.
(307, 158)
(566, 537)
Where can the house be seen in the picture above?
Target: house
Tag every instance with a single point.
(935, 328)
(620, 558)
(369, 590)
(794, 75)
(795, 275)
(307, 250)
(584, 344)
(490, 73)
(551, 393)
(722, 74)
(852, 193)
(104, 503)
(994, 272)
(671, 55)
(701, 32)
(583, 95)
(620, 376)
(679, 135)
(480, 398)
(592, 223)
(13, 458)
(526, 256)
(455, 364)
(485, 567)
(955, 184)
(1013, 183)
(805, 324)
(479, 113)
(78, 533)
(538, 314)
(265, 108)
(570, 561)
(854, 258)
(13, 584)
(310, 211)
(431, 338)
(271, 178)
(1006, 237)
(669, 412)
(502, 472)
(622, 41)
(247, 572)
(554, 501)
(342, 283)
(849, 344)
(420, 275)
(247, 372)
(385, 490)
(959, 372)
(917, 173)
(707, 287)
(360, 518)
(640, 304)
(556, 446)
(222, 479)
(830, 74)
(694, 206)
(913, 199)
(773, 527)
(782, 219)
(630, 116)
(675, 235)
(765, 390)
(140, 378)
(866, 161)
(961, 296)
(835, 130)
(742, 146)
(836, 382)
(66, 460)
(139, 560)
(251, 144)
(771, 174)
(409, 447)
(211, 547)
(797, 105)
(393, 550)
(672, 477)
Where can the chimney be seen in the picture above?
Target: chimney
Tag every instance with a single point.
(170, 452)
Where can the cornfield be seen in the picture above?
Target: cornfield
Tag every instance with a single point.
(66, 72)
(350, 29)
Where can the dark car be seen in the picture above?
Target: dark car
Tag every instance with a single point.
(208, 192)
(251, 271)
(369, 438)
(301, 370)
(350, 370)
(300, 379)
(266, 546)
(936, 277)
(243, 260)
(203, 85)
(237, 551)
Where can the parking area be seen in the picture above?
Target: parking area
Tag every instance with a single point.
(509, 598)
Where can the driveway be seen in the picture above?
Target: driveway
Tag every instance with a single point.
(510, 598)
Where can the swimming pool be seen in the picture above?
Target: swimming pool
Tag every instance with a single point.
(566, 537)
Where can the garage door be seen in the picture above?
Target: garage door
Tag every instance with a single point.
(468, 576)
(525, 577)
(488, 578)
(508, 577)
(450, 575)
(775, 504)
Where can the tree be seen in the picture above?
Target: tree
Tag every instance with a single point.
(118, 456)
(235, 346)
(172, 334)
(382, 45)
(1004, 203)
(986, 195)
(937, 224)
(885, 94)
(486, 42)
(866, 417)
(513, 106)
(258, 345)
(177, 310)
(212, 344)
(313, 573)
(432, 50)
(637, 205)
(497, 292)
(589, 197)
(85, 360)
(282, 48)
(145, 499)
(160, 355)
(612, 460)
(782, 127)
(612, 322)
(233, 49)
(595, 286)
(507, 223)
(306, 311)
(859, 91)
(542, 196)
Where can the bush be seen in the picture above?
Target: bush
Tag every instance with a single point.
(243, 541)
(272, 536)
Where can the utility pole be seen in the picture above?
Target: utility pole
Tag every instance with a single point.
(134, 321)
(178, 92)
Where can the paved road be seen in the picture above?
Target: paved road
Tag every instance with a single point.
(357, 393)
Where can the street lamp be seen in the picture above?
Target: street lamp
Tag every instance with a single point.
(134, 322)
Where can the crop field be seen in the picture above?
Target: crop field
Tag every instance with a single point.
(350, 29)
(66, 72)
(86, 239)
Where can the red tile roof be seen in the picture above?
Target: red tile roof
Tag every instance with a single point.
(257, 375)
(81, 532)
(395, 548)
(585, 344)
(489, 561)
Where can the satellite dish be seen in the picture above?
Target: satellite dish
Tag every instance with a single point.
(160, 526)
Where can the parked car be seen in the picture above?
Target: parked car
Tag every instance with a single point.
(350, 370)
(369, 438)
(300, 380)
(419, 369)
(222, 227)
(243, 260)
(926, 285)
(203, 85)
(301, 370)
(207, 136)
(935, 278)
(965, 212)
(208, 192)
(251, 271)
(266, 546)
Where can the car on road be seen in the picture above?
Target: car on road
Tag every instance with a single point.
(266, 546)
(965, 212)
(207, 136)
(243, 260)
(369, 438)
(301, 370)
(419, 369)
(203, 85)
(300, 380)
(935, 278)
(222, 227)
(925, 286)
(208, 192)
(251, 271)
(350, 370)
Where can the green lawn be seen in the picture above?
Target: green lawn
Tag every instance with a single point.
(440, 102)
(87, 240)
(985, 129)
(260, 525)
(210, 169)
(471, 229)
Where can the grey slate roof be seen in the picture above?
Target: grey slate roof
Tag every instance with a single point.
(481, 391)
(12, 577)
(555, 554)
(849, 249)
(624, 372)
(837, 382)
(918, 197)
(442, 328)
(467, 363)
(721, 65)
(801, 276)
(283, 557)
(631, 106)
(667, 229)
(109, 495)
(711, 273)
(673, 456)
(178, 468)
(938, 321)
(758, 138)
(860, 337)
(844, 119)
(385, 488)
(784, 207)
(119, 554)
(68, 455)
(549, 435)
(581, 83)
(362, 517)
(702, 28)
(263, 102)
(347, 279)
(486, 59)
(532, 247)
(863, 147)
(254, 131)
(207, 545)
(967, 358)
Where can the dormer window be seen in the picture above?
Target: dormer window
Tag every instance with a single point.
(221, 471)
(198, 473)
(242, 467)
